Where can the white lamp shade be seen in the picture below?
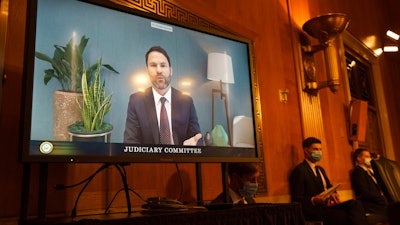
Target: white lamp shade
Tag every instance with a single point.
(220, 68)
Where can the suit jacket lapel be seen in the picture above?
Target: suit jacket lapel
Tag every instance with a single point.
(315, 179)
(309, 169)
(320, 175)
(152, 115)
(371, 178)
(174, 114)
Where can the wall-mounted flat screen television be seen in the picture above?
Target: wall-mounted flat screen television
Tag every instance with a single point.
(95, 72)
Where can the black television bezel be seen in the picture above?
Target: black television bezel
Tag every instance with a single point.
(29, 57)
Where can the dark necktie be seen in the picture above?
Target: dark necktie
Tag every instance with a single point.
(165, 135)
(371, 174)
(319, 177)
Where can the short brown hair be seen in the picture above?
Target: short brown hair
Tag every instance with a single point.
(160, 50)
(309, 141)
(357, 153)
(243, 168)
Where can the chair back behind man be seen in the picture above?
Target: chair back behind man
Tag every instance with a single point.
(387, 173)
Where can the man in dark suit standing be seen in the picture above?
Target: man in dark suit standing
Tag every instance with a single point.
(161, 114)
(242, 185)
(308, 181)
(365, 186)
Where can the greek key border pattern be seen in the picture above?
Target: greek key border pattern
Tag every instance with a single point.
(169, 10)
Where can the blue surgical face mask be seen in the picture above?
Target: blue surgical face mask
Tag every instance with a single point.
(316, 156)
(249, 189)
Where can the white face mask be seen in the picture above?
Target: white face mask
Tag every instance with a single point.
(367, 161)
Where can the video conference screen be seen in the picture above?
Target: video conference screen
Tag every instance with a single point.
(94, 74)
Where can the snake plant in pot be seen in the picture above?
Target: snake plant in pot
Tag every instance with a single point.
(94, 107)
(67, 68)
(68, 65)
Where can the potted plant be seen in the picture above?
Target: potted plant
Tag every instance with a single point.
(67, 66)
(94, 108)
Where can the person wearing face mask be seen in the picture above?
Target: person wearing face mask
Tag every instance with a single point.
(366, 187)
(243, 184)
(308, 180)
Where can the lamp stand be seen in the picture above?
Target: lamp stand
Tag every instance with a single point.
(227, 112)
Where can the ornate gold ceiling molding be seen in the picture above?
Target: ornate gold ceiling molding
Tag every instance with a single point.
(169, 10)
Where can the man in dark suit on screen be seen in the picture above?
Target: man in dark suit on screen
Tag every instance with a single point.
(161, 114)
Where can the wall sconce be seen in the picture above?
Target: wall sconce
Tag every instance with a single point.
(325, 28)
(219, 68)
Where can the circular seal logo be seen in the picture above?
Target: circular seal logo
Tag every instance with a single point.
(46, 147)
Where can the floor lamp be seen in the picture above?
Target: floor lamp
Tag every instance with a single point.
(219, 68)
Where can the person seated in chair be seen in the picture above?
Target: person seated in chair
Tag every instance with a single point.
(243, 184)
(366, 187)
(308, 180)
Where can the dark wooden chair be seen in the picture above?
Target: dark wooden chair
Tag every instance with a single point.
(387, 173)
